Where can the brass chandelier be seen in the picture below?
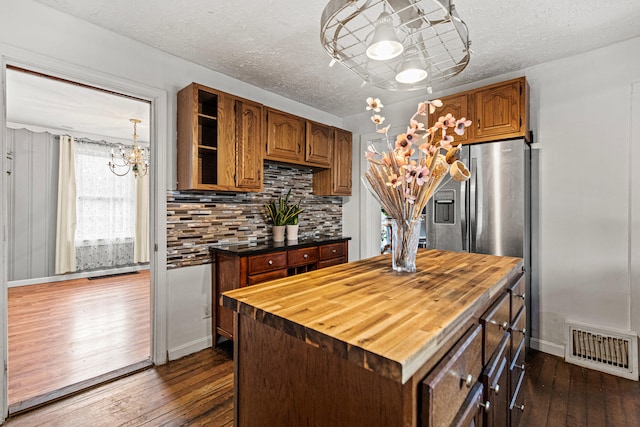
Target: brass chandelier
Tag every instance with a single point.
(396, 44)
(136, 159)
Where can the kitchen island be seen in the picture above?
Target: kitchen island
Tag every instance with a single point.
(359, 344)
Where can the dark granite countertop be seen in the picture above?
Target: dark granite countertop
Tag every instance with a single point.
(268, 245)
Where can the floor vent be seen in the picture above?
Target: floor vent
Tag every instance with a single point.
(613, 352)
(105, 276)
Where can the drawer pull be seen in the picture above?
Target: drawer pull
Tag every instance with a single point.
(305, 256)
(468, 380)
(486, 405)
(523, 296)
(495, 388)
(521, 407)
(333, 251)
(270, 262)
(523, 330)
(503, 325)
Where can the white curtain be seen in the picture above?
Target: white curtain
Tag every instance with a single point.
(141, 243)
(66, 211)
(106, 210)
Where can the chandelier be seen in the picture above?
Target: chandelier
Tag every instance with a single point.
(396, 44)
(136, 159)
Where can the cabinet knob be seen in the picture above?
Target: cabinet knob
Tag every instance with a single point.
(270, 262)
(521, 367)
(495, 388)
(523, 296)
(521, 407)
(468, 380)
(504, 325)
(486, 405)
(333, 251)
(523, 330)
(305, 256)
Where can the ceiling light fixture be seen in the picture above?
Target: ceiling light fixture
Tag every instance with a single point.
(136, 159)
(435, 41)
(385, 44)
(411, 70)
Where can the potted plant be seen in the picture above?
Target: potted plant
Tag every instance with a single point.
(292, 221)
(282, 213)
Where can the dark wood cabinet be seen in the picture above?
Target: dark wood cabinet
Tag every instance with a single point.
(285, 136)
(218, 141)
(231, 270)
(337, 180)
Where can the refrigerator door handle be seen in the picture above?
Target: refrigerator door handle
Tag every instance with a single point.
(463, 215)
(473, 204)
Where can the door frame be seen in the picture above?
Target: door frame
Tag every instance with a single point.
(159, 132)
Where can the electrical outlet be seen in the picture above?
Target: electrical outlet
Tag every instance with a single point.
(206, 311)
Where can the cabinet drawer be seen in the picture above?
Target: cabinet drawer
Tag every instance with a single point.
(254, 279)
(333, 261)
(495, 323)
(267, 262)
(517, 405)
(517, 294)
(496, 385)
(334, 250)
(518, 332)
(445, 389)
(303, 256)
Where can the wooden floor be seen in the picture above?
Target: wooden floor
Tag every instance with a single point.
(64, 333)
(198, 390)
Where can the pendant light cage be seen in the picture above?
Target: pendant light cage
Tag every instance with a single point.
(430, 29)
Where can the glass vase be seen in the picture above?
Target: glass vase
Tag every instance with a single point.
(404, 246)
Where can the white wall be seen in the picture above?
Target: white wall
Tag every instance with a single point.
(37, 29)
(581, 120)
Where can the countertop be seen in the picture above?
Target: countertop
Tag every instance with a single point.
(268, 245)
(388, 322)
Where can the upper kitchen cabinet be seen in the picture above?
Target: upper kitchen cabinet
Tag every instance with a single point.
(218, 141)
(498, 111)
(285, 136)
(459, 106)
(337, 180)
(501, 110)
(319, 144)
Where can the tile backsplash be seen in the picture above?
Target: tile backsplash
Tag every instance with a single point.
(197, 219)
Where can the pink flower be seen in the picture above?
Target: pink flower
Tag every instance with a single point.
(446, 140)
(394, 181)
(412, 172)
(422, 175)
(421, 108)
(383, 130)
(415, 125)
(447, 121)
(411, 136)
(436, 103)
(461, 124)
(374, 104)
(402, 142)
(408, 196)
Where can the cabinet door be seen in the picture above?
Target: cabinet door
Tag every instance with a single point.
(319, 147)
(248, 147)
(496, 386)
(342, 163)
(459, 106)
(470, 414)
(499, 110)
(285, 137)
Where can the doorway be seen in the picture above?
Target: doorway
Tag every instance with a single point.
(89, 118)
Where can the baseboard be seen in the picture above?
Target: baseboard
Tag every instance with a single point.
(72, 276)
(189, 348)
(547, 347)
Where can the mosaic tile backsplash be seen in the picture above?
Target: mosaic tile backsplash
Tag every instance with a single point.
(197, 219)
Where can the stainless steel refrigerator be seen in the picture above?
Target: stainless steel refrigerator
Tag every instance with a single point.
(489, 213)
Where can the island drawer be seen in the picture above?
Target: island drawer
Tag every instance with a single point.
(302, 256)
(445, 389)
(334, 250)
(517, 293)
(495, 322)
(495, 379)
(268, 262)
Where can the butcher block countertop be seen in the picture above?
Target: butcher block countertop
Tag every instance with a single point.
(387, 322)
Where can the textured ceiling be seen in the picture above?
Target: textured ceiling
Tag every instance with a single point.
(275, 44)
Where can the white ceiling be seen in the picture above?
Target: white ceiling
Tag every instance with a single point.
(275, 44)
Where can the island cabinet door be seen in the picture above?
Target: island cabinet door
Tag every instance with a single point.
(446, 388)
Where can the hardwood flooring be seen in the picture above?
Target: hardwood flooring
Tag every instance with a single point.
(198, 391)
(65, 333)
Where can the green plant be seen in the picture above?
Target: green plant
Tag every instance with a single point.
(281, 212)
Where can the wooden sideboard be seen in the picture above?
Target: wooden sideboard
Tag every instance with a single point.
(246, 264)
(361, 345)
